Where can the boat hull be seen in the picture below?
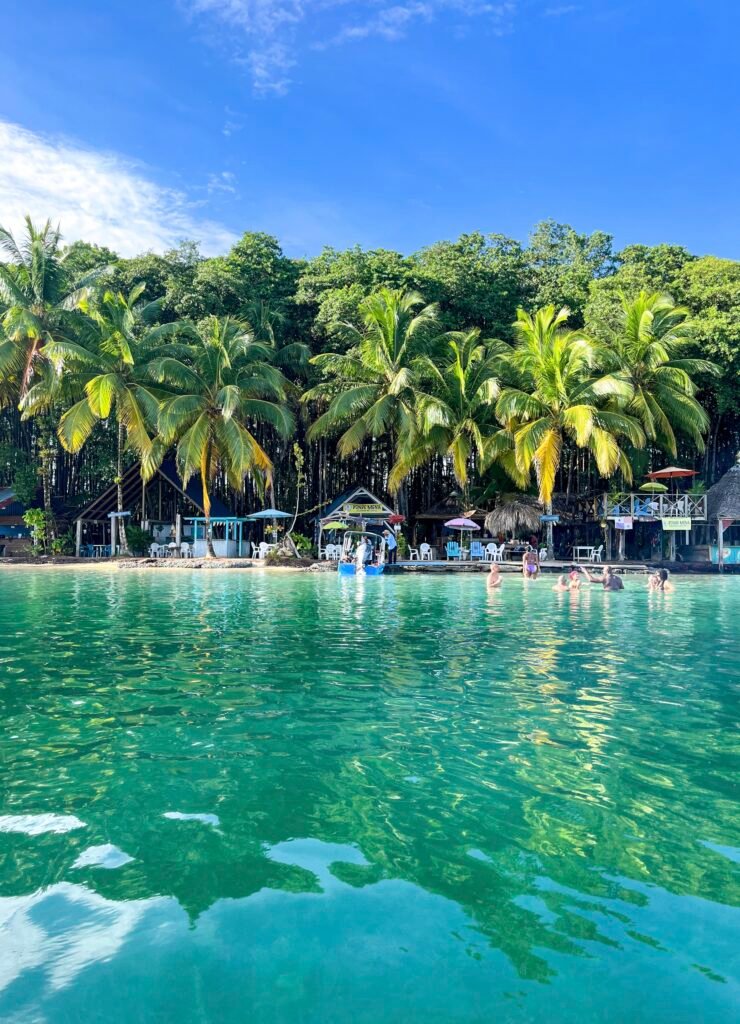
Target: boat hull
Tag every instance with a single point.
(350, 569)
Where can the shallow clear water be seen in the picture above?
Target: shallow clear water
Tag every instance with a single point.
(245, 796)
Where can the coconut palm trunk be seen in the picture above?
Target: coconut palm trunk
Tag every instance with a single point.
(205, 473)
(122, 539)
(549, 532)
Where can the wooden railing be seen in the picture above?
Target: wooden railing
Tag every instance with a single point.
(654, 506)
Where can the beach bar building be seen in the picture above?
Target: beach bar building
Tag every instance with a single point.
(162, 505)
(723, 511)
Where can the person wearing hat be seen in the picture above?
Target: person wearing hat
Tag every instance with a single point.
(392, 544)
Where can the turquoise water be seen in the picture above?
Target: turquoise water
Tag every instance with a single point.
(294, 798)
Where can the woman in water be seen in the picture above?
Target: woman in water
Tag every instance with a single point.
(659, 581)
(494, 576)
(562, 585)
(530, 564)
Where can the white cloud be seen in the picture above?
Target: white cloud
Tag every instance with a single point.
(267, 36)
(223, 182)
(99, 197)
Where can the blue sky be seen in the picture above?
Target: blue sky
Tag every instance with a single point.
(373, 122)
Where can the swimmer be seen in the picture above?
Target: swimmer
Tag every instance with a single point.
(608, 579)
(494, 576)
(663, 583)
(562, 585)
(530, 565)
(574, 580)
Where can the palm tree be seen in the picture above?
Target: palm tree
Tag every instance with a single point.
(221, 382)
(42, 306)
(646, 351)
(105, 371)
(559, 397)
(454, 405)
(370, 389)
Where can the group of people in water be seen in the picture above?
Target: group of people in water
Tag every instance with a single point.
(574, 580)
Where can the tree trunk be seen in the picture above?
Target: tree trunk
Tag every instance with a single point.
(122, 539)
(47, 454)
(549, 532)
(205, 472)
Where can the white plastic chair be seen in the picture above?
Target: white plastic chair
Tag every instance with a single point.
(413, 554)
(597, 553)
(154, 550)
(490, 553)
(543, 554)
(336, 553)
(185, 550)
(263, 549)
(498, 554)
(255, 550)
(425, 552)
(162, 551)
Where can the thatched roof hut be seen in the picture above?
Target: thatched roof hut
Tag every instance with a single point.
(514, 512)
(723, 500)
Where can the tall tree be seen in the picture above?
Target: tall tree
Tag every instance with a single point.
(370, 389)
(647, 350)
(222, 382)
(42, 306)
(107, 371)
(557, 397)
(455, 405)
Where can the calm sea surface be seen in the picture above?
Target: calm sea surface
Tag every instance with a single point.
(231, 797)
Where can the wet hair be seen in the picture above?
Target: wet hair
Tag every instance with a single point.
(663, 575)
(562, 579)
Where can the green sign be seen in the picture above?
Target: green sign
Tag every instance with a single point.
(676, 522)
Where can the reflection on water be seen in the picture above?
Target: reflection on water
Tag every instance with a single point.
(393, 799)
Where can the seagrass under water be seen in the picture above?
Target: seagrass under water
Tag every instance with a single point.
(250, 796)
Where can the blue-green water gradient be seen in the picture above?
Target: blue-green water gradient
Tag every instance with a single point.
(251, 796)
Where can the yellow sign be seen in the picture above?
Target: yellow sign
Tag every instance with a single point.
(676, 522)
(365, 510)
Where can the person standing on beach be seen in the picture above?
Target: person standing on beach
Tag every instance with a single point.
(392, 544)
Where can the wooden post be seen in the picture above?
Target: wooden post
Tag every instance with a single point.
(78, 537)
(622, 535)
(178, 530)
(720, 545)
(608, 541)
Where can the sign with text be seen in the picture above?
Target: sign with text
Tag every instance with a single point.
(365, 510)
(549, 519)
(623, 523)
(676, 522)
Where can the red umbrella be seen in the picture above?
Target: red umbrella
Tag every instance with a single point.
(395, 519)
(670, 472)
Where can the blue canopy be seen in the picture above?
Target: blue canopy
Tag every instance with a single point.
(271, 513)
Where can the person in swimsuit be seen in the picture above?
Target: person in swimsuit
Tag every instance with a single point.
(530, 564)
(574, 580)
(659, 581)
(562, 584)
(608, 579)
(494, 576)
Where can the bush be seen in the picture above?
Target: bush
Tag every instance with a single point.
(303, 544)
(138, 540)
(37, 521)
(403, 546)
(64, 545)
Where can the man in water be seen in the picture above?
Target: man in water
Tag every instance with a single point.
(494, 576)
(608, 579)
(392, 544)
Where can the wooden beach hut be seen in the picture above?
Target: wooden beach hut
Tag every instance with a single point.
(723, 508)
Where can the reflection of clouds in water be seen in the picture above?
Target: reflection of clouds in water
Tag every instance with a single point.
(39, 824)
(205, 819)
(105, 856)
(94, 931)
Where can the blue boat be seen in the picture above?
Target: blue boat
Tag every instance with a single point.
(348, 564)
